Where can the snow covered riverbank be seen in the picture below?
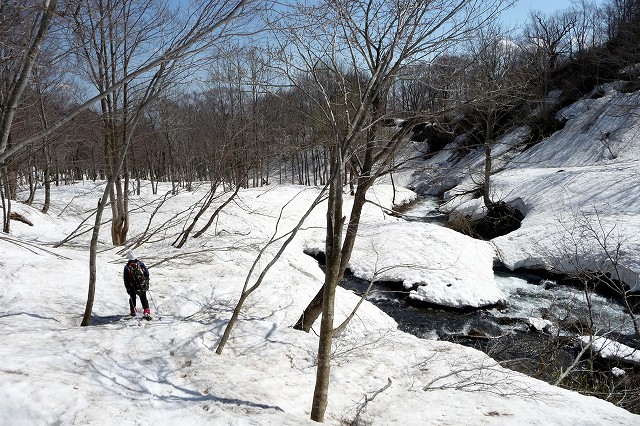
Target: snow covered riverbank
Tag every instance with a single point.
(579, 190)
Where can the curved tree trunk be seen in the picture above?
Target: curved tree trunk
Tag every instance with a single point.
(215, 213)
(314, 308)
(247, 290)
(93, 255)
(181, 240)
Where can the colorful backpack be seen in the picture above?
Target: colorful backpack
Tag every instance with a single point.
(138, 280)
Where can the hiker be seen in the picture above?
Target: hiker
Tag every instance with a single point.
(136, 281)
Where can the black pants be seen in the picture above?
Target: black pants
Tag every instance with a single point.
(132, 299)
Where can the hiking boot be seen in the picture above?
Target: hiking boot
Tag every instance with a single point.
(147, 314)
(133, 312)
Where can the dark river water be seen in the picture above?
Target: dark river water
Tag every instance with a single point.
(528, 297)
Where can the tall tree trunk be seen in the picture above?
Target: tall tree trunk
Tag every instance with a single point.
(14, 96)
(46, 150)
(31, 171)
(365, 179)
(335, 222)
(47, 179)
(6, 203)
(487, 161)
(93, 253)
(314, 308)
(487, 176)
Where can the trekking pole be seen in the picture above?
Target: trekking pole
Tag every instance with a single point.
(154, 305)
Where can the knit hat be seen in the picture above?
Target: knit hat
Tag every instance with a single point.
(130, 255)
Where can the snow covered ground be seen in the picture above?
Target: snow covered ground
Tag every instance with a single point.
(164, 372)
(610, 349)
(445, 267)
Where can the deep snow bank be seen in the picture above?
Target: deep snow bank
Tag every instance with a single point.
(441, 266)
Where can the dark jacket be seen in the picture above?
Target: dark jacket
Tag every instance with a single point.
(127, 278)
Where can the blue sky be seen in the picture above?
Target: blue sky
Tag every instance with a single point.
(519, 13)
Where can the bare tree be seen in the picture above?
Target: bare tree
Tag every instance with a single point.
(211, 22)
(592, 253)
(111, 35)
(22, 59)
(502, 84)
(23, 31)
(251, 285)
(622, 17)
(589, 30)
(552, 36)
(362, 46)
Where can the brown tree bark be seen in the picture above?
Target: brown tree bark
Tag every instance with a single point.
(335, 222)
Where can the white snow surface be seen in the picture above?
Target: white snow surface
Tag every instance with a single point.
(539, 323)
(166, 372)
(579, 190)
(441, 266)
(610, 349)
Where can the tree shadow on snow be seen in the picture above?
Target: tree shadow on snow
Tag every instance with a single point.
(109, 319)
(135, 376)
(29, 314)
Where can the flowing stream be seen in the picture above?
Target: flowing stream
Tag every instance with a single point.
(528, 295)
